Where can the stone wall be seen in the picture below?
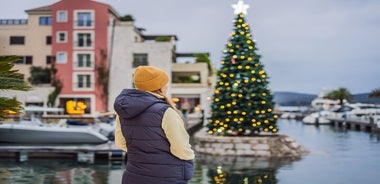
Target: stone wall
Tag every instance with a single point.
(260, 146)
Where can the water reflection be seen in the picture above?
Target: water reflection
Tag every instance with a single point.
(256, 176)
(208, 169)
(55, 171)
(233, 170)
(336, 156)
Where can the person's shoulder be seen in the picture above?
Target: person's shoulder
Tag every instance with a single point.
(171, 112)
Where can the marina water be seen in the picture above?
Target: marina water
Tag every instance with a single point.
(336, 156)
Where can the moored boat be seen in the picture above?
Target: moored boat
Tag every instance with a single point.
(317, 118)
(35, 132)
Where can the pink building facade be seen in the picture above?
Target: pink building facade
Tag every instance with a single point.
(80, 46)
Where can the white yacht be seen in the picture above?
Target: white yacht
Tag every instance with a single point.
(31, 130)
(355, 111)
(35, 132)
(319, 117)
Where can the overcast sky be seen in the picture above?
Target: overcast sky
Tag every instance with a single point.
(306, 45)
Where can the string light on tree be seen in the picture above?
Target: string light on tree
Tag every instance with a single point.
(242, 102)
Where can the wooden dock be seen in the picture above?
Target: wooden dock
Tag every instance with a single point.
(355, 124)
(82, 153)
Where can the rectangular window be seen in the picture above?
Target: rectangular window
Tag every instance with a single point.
(61, 57)
(45, 21)
(48, 40)
(84, 81)
(84, 40)
(28, 60)
(50, 59)
(61, 36)
(140, 60)
(84, 19)
(25, 60)
(17, 40)
(84, 60)
(61, 16)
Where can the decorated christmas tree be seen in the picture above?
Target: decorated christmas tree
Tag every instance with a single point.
(242, 102)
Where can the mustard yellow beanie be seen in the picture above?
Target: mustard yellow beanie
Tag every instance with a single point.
(149, 78)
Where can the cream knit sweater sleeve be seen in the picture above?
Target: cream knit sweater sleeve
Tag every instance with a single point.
(120, 141)
(175, 132)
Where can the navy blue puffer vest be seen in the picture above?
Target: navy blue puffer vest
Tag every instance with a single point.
(149, 158)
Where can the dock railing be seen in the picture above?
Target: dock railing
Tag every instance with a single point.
(356, 123)
(83, 153)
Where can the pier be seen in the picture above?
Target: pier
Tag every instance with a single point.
(82, 153)
(355, 124)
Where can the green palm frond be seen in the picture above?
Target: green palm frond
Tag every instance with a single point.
(10, 80)
(374, 93)
(340, 94)
(9, 104)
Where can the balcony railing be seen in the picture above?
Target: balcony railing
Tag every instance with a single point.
(13, 21)
(186, 77)
(83, 43)
(84, 85)
(84, 23)
(84, 64)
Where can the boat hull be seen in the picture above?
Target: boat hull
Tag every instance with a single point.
(49, 135)
(316, 120)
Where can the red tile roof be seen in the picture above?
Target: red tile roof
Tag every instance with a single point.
(43, 8)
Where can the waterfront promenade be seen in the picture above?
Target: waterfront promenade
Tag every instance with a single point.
(355, 124)
(81, 152)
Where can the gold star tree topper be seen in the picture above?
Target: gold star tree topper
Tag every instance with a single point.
(240, 7)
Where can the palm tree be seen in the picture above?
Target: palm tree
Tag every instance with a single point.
(340, 94)
(374, 93)
(10, 79)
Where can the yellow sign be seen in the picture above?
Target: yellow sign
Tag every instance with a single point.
(74, 107)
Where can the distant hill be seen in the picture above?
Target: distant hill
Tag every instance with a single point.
(363, 98)
(303, 99)
(293, 98)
